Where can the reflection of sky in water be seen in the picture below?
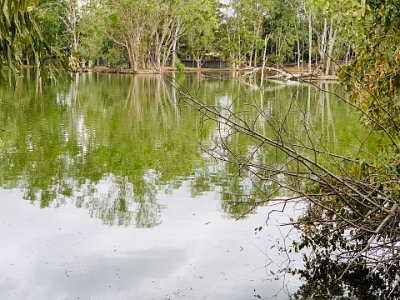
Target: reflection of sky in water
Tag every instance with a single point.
(194, 253)
(115, 149)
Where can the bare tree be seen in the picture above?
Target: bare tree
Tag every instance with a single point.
(352, 214)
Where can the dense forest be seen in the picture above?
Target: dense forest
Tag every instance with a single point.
(147, 34)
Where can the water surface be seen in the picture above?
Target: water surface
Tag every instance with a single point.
(106, 193)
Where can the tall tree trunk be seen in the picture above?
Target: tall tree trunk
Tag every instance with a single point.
(298, 55)
(175, 43)
(309, 43)
(198, 62)
(251, 56)
(239, 52)
(332, 39)
(255, 58)
(322, 48)
(348, 53)
(157, 51)
(264, 60)
(133, 51)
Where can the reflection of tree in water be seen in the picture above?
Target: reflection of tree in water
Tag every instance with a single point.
(239, 195)
(112, 199)
(337, 264)
(236, 201)
(97, 143)
(271, 113)
(68, 143)
(116, 207)
(322, 280)
(93, 142)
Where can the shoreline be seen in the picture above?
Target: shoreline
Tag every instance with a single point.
(290, 73)
(285, 73)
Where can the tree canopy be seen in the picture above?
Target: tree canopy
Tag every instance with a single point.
(152, 34)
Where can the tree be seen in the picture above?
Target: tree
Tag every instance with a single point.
(199, 39)
(48, 18)
(284, 24)
(71, 17)
(127, 24)
(17, 31)
(169, 27)
(92, 37)
(374, 74)
(60, 22)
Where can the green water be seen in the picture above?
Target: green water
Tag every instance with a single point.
(103, 182)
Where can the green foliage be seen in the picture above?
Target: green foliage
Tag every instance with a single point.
(52, 28)
(114, 55)
(152, 32)
(17, 28)
(199, 37)
(93, 35)
(19, 34)
(180, 67)
(374, 76)
(97, 128)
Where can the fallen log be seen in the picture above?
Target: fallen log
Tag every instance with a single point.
(282, 74)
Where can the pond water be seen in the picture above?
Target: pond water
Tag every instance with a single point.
(105, 192)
